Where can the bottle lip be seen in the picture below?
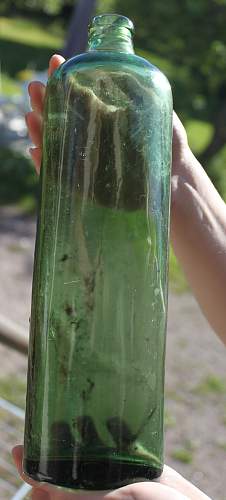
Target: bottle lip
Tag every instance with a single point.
(110, 21)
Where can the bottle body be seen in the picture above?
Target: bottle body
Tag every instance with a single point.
(94, 417)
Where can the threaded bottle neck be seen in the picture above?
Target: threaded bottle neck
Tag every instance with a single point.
(111, 32)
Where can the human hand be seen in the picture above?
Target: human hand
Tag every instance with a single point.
(34, 118)
(198, 230)
(170, 486)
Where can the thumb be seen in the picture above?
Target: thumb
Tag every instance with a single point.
(146, 491)
(55, 61)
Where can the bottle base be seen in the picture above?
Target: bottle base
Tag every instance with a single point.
(87, 474)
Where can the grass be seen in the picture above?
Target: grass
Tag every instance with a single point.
(182, 455)
(174, 395)
(31, 32)
(32, 43)
(182, 343)
(14, 390)
(211, 385)
(169, 420)
(199, 135)
(9, 86)
(222, 446)
(177, 278)
(15, 248)
(18, 181)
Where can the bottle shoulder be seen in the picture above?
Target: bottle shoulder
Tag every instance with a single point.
(107, 61)
(106, 57)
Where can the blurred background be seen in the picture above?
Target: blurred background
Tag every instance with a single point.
(186, 39)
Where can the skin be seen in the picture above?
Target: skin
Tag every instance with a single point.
(198, 234)
(198, 231)
(170, 486)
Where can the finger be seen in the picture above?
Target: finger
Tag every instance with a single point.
(40, 494)
(138, 491)
(36, 92)
(176, 121)
(37, 89)
(179, 132)
(36, 154)
(146, 491)
(40, 490)
(17, 453)
(55, 61)
(173, 479)
(34, 125)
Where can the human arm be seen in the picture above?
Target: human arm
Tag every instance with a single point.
(198, 231)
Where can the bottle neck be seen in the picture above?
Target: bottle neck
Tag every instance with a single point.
(111, 32)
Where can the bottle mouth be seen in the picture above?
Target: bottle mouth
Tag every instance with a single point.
(110, 21)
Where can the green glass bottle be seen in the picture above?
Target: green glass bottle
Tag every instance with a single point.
(94, 416)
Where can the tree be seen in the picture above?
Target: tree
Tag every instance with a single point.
(77, 34)
(49, 7)
(187, 40)
(191, 36)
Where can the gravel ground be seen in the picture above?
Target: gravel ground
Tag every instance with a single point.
(195, 441)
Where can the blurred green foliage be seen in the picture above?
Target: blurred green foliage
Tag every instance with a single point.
(182, 455)
(18, 181)
(48, 7)
(175, 36)
(31, 32)
(33, 40)
(181, 32)
(13, 392)
(199, 135)
(210, 384)
(178, 281)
